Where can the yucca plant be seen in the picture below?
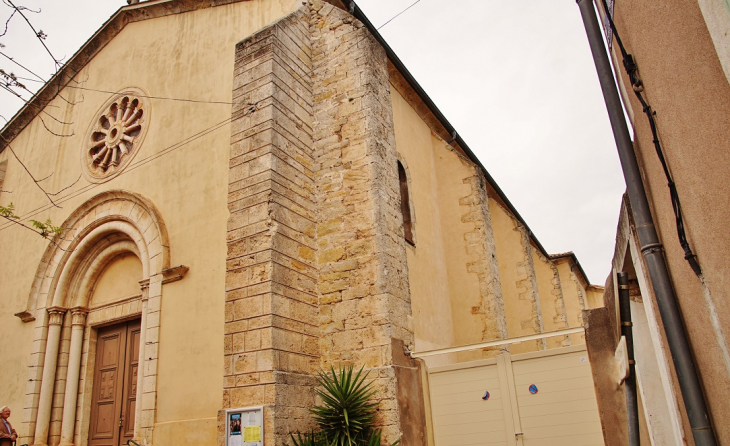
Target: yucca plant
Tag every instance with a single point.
(310, 439)
(346, 416)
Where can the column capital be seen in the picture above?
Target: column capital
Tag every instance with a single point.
(145, 286)
(78, 316)
(55, 315)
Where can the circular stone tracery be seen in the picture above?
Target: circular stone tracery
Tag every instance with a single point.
(116, 135)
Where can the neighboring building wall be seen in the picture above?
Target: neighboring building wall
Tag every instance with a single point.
(661, 418)
(684, 82)
(717, 17)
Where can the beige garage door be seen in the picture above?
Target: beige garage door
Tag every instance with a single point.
(460, 415)
(560, 410)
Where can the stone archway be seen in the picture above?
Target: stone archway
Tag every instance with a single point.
(107, 225)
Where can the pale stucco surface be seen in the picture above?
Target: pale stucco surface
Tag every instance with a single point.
(520, 312)
(681, 52)
(573, 297)
(430, 275)
(551, 298)
(119, 279)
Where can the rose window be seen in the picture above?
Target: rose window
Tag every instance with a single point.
(116, 135)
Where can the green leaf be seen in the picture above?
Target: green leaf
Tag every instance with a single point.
(46, 228)
(346, 415)
(9, 212)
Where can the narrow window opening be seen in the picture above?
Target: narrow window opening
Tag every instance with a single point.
(405, 205)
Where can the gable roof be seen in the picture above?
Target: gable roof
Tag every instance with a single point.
(571, 255)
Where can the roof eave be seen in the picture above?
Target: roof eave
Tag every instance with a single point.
(360, 15)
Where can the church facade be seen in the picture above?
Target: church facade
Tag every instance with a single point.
(251, 191)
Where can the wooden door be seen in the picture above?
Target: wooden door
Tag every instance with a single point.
(115, 385)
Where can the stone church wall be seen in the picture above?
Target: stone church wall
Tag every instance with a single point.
(281, 195)
(316, 271)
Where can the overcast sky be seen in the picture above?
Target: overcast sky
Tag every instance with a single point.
(514, 77)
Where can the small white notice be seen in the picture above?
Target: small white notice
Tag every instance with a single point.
(245, 426)
(621, 355)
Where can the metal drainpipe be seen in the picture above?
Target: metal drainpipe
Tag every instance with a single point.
(651, 248)
(632, 402)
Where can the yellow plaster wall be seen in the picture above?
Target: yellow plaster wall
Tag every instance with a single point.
(119, 279)
(594, 296)
(428, 268)
(508, 242)
(179, 56)
(447, 301)
(465, 294)
(551, 302)
(572, 298)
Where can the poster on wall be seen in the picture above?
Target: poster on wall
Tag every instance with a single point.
(245, 426)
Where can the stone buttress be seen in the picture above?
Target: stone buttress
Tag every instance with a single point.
(316, 264)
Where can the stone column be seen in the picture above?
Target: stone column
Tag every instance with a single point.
(271, 334)
(55, 320)
(78, 324)
(145, 284)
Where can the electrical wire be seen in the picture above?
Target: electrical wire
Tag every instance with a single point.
(638, 88)
(396, 16)
(173, 147)
(151, 97)
(248, 110)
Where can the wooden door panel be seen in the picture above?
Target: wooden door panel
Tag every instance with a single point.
(115, 385)
(110, 346)
(129, 395)
(106, 422)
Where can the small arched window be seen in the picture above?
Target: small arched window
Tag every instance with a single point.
(405, 205)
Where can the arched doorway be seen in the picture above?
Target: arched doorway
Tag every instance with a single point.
(107, 232)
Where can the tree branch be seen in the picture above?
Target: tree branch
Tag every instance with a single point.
(39, 232)
(28, 171)
(39, 34)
